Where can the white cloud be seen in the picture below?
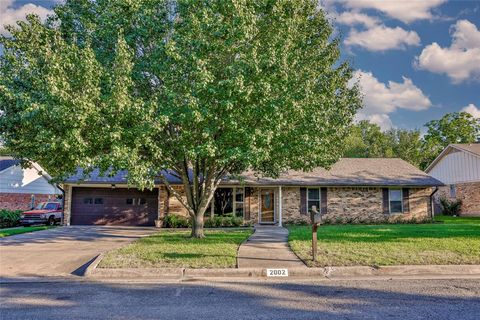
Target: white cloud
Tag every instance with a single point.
(353, 18)
(473, 110)
(381, 38)
(9, 15)
(382, 120)
(460, 61)
(406, 11)
(382, 98)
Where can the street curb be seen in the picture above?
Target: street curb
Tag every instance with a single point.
(411, 271)
(93, 266)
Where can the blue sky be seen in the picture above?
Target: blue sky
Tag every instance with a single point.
(416, 60)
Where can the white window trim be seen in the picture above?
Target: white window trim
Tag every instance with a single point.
(319, 199)
(390, 200)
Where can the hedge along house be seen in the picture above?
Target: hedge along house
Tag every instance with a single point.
(353, 190)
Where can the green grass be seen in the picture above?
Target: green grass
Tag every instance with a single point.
(19, 230)
(457, 220)
(176, 249)
(455, 241)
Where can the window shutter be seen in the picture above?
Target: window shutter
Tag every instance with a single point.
(323, 198)
(386, 200)
(406, 200)
(303, 200)
(246, 204)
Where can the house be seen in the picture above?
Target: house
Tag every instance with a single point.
(353, 189)
(458, 167)
(22, 189)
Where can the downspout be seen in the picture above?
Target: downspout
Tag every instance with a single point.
(431, 202)
(63, 201)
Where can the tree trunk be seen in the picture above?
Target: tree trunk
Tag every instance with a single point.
(197, 225)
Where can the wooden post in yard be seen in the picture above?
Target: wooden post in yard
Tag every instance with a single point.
(315, 218)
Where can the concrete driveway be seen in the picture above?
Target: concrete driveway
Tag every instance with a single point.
(61, 251)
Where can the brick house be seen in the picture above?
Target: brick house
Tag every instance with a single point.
(458, 167)
(353, 190)
(23, 188)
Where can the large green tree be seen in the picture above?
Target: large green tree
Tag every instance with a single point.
(456, 127)
(366, 140)
(200, 88)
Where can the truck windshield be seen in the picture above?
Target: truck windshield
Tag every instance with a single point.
(46, 206)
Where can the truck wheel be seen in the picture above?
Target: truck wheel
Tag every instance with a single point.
(51, 221)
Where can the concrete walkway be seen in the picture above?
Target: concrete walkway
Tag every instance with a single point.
(268, 248)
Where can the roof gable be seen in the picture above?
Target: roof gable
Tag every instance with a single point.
(470, 148)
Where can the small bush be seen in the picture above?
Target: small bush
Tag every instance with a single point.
(217, 222)
(9, 218)
(175, 221)
(450, 207)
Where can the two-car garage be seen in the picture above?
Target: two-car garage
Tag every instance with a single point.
(113, 206)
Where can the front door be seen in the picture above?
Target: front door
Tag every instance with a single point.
(267, 206)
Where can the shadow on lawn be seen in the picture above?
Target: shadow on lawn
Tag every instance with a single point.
(243, 300)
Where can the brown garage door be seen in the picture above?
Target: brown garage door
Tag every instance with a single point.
(121, 206)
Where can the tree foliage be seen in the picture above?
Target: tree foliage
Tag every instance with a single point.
(456, 127)
(200, 88)
(366, 140)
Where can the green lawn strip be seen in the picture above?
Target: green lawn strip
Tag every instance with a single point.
(457, 220)
(176, 249)
(19, 230)
(414, 244)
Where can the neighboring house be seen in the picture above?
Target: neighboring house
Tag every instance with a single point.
(22, 189)
(458, 167)
(355, 190)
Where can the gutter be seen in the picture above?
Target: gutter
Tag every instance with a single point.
(431, 202)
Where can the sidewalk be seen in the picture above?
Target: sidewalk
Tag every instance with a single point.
(268, 248)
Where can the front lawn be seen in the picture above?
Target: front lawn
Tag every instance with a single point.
(19, 230)
(176, 249)
(456, 241)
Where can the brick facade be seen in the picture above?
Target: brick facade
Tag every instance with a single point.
(23, 201)
(344, 205)
(469, 193)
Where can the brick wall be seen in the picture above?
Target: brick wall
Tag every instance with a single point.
(469, 193)
(169, 204)
(357, 204)
(22, 201)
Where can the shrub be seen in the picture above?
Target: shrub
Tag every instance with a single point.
(450, 207)
(9, 218)
(175, 221)
(227, 221)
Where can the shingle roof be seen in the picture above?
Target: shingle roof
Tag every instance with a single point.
(7, 162)
(470, 147)
(354, 172)
(346, 172)
(118, 178)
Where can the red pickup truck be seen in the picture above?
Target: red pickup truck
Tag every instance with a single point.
(47, 213)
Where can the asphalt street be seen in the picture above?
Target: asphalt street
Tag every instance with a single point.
(261, 299)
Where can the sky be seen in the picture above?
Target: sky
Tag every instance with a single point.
(415, 60)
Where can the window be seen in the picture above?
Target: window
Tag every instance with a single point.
(98, 200)
(142, 201)
(313, 199)
(130, 201)
(453, 191)
(239, 196)
(228, 202)
(396, 204)
(87, 201)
